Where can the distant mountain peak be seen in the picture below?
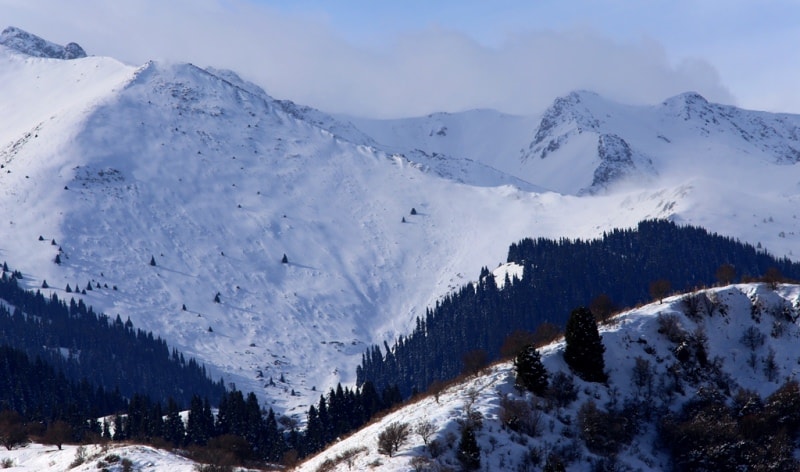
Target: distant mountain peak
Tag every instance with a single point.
(33, 45)
(567, 116)
(687, 104)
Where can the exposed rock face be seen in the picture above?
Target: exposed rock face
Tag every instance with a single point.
(35, 46)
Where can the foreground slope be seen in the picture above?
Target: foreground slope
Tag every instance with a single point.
(737, 342)
(40, 458)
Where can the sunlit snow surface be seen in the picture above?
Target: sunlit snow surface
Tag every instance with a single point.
(633, 334)
(217, 181)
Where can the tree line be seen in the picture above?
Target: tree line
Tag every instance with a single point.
(83, 344)
(618, 269)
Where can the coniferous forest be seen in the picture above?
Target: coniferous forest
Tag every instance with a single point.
(558, 276)
(82, 344)
(62, 366)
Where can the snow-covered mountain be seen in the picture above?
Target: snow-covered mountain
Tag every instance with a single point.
(606, 142)
(736, 347)
(216, 181)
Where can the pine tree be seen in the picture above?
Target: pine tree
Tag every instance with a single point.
(284, 259)
(44, 284)
(152, 260)
(584, 349)
(531, 373)
(57, 260)
(468, 452)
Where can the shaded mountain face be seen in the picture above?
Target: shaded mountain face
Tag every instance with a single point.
(35, 46)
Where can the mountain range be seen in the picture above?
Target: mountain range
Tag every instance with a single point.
(212, 180)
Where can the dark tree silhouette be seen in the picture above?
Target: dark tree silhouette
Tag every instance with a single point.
(531, 373)
(725, 274)
(584, 349)
(659, 289)
(469, 454)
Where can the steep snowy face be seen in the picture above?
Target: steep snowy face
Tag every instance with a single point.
(617, 162)
(33, 45)
(567, 117)
(776, 135)
(577, 133)
(477, 147)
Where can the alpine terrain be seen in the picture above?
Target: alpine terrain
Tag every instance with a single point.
(276, 244)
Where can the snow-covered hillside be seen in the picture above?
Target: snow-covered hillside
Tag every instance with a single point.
(749, 333)
(40, 458)
(216, 181)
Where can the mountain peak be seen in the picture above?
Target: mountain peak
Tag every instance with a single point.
(35, 46)
(567, 116)
(686, 105)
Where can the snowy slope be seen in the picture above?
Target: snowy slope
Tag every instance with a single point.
(40, 458)
(217, 181)
(485, 136)
(631, 335)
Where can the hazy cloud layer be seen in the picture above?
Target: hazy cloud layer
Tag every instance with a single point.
(303, 59)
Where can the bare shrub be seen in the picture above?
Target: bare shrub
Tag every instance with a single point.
(391, 438)
(348, 457)
(515, 343)
(603, 432)
(602, 307)
(659, 289)
(770, 366)
(420, 463)
(669, 324)
(752, 338)
(80, 457)
(562, 390)
(692, 306)
(778, 328)
(12, 430)
(643, 376)
(436, 448)
(725, 274)
(474, 361)
(425, 429)
(517, 415)
(756, 309)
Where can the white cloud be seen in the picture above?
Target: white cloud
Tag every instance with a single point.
(303, 59)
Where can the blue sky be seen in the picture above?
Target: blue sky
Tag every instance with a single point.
(398, 58)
